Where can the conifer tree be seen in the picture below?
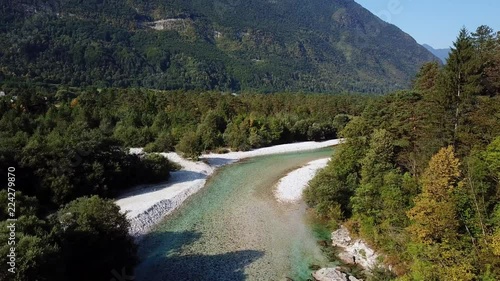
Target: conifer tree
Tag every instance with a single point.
(461, 82)
(483, 39)
(486, 47)
(366, 202)
(427, 78)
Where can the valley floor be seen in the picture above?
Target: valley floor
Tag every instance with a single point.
(146, 206)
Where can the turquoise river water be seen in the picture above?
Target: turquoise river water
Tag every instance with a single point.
(234, 229)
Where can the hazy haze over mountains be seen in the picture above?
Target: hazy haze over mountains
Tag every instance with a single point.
(442, 54)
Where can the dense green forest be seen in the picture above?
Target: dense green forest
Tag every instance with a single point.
(418, 176)
(69, 144)
(258, 46)
(81, 82)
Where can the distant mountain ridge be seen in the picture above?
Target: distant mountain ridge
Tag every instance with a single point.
(254, 45)
(442, 54)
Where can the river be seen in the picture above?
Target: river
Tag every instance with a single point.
(233, 229)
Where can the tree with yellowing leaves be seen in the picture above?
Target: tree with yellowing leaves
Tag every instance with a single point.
(435, 225)
(434, 213)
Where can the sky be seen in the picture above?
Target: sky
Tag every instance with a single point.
(436, 22)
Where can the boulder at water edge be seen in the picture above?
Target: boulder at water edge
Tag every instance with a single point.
(332, 274)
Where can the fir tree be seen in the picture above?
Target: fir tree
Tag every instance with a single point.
(461, 82)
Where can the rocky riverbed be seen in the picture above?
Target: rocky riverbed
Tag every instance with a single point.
(146, 206)
(234, 229)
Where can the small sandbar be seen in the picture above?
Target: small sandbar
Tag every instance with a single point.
(289, 189)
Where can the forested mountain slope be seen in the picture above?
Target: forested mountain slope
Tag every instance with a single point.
(263, 45)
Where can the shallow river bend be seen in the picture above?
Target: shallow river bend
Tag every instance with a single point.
(234, 229)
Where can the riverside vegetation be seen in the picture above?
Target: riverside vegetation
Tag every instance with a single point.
(70, 146)
(390, 181)
(418, 176)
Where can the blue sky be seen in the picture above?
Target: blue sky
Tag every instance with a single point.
(437, 22)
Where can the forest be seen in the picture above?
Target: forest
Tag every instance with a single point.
(418, 176)
(210, 45)
(69, 148)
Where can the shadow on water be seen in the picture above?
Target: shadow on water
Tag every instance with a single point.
(183, 176)
(166, 243)
(167, 262)
(218, 161)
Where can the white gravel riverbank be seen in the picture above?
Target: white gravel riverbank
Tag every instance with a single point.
(289, 189)
(145, 206)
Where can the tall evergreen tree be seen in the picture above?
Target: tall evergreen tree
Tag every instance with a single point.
(492, 69)
(432, 109)
(366, 202)
(483, 39)
(461, 83)
(484, 43)
(427, 78)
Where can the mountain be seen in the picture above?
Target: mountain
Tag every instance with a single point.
(257, 45)
(442, 54)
